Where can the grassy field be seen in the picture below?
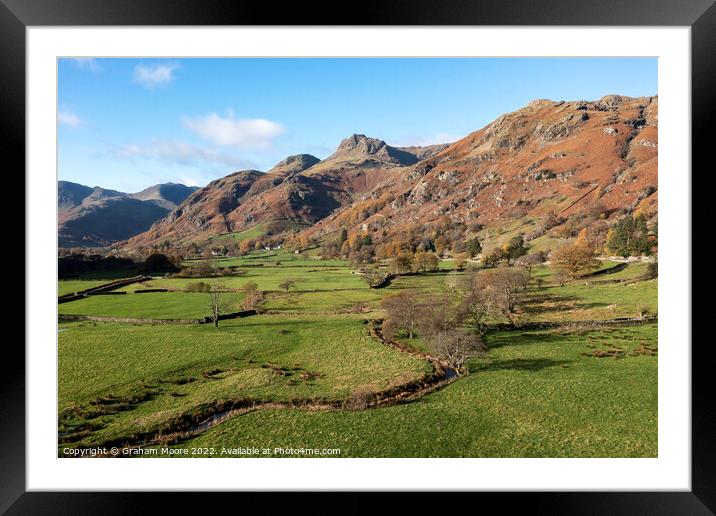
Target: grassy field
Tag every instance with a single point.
(270, 278)
(535, 394)
(91, 279)
(253, 232)
(185, 367)
(77, 285)
(152, 305)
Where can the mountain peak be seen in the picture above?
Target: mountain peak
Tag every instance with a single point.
(361, 148)
(360, 144)
(296, 163)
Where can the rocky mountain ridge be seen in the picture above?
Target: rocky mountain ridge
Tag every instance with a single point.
(548, 157)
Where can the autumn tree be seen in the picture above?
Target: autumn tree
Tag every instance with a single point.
(494, 257)
(402, 263)
(460, 261)
(574, 258)
(515, 247)
(424, 262)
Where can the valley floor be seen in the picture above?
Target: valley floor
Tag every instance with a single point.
(562, 392)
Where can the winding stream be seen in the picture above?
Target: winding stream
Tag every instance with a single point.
(185, 428)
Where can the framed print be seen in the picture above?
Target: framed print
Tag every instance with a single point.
(272, 252)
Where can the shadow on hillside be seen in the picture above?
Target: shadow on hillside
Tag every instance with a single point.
(528, 338)
(604, 272)
(519, 364)
(535, 303)
(109, 275)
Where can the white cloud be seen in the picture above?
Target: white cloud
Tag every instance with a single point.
(152, 77)
(189, 181)
(180, 153)
(86, 63)
(422, 141)
(256, 133)
(68, 118)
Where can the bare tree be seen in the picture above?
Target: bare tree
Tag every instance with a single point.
(499, 288)
(402, 312)
(440, 321)
(254, 300)
(476, 308)
(437, 314)
(452, 281)
(287, 285)
(217, 306)
(455, 346)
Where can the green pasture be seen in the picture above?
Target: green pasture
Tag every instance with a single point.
(273, 357)
(152, 305)
(536, 394)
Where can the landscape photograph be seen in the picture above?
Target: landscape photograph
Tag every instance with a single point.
(357, 257)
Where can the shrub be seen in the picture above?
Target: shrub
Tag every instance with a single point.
(287, 284)
(360, 398)
(197, 286)
(374, 278)
(643, 311)
(473, 247)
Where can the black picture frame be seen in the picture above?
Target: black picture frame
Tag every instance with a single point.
(17, 15)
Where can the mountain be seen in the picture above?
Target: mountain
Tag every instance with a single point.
(94, 217)
(524, 165)
(166, 195)
(301, 189)
(527, 164)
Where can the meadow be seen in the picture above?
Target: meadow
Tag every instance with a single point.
(536, 395)
(551, 393)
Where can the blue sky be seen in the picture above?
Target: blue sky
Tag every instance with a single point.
(127, 124)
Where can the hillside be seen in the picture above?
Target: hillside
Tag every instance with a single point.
(528, 164)
(94, 217)
(300, 189)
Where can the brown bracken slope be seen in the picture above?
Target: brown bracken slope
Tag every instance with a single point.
(536, 160)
